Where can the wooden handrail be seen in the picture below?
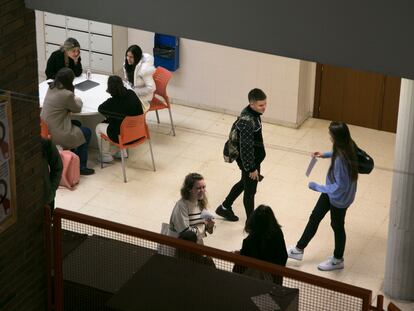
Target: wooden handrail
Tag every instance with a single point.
(392, 307)
(380, 304)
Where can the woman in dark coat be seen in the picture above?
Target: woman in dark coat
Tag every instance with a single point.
(67, 56)
(265, 240)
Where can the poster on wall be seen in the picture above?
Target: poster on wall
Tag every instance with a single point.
(8, 212)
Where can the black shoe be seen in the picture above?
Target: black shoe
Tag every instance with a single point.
(87, 171)
(226, 213)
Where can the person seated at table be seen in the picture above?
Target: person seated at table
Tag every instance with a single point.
(265, 240)
(67, 56)
(124, 102)
(138, 71)
(190, 212)
(60, 101)
(189, 235)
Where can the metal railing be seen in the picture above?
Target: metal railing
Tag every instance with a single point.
(95, 253)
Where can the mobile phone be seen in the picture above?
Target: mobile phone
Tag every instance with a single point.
(261, 177)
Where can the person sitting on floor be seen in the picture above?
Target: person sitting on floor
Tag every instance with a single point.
(265, 240)
(124, 102)
(189, 211)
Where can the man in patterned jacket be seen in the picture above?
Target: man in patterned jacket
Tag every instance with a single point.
(251, 154)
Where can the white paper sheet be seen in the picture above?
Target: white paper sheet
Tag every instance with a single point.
(310, 166)
(205, 214)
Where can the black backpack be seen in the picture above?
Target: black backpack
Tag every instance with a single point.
(365, 161)
(231, 147)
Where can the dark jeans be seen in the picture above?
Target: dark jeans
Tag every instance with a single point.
(82, 150)
(249, 187)
(337, 223)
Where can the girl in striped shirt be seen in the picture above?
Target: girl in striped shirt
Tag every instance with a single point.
(190, 212)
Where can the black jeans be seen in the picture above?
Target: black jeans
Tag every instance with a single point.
(337, 223)
(249, 187)
(82, 150)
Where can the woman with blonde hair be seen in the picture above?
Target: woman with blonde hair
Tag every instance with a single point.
(67, 56)
(190, 212)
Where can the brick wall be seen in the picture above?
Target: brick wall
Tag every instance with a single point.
(22, 258)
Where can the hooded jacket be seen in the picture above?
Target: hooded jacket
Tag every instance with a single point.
(144, 85)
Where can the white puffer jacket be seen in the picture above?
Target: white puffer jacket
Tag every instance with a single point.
(144, 85)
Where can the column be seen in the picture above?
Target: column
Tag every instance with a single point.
(399, 266)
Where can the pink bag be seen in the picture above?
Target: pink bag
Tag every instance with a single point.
(71, 169)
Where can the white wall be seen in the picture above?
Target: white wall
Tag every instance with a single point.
(306, 90)
(40, 43)
(218, 78)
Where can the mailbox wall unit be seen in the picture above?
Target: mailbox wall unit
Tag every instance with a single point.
(103, 45)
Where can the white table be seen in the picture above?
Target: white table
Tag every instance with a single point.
(91, 98)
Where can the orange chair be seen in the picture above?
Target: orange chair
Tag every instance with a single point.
(160, 99)
(44, 131)
(133, 132)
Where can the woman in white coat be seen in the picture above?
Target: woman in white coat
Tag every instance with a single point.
(138, 71)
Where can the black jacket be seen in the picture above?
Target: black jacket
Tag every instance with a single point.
(251, 148)
(272, 249)
(56, 62)
(115, 109)
(52, 169)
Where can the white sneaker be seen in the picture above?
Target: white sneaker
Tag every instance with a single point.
(331, 264)
(117, 155)
(107, 158)
(294, 253)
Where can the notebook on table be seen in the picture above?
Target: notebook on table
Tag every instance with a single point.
(86, 85)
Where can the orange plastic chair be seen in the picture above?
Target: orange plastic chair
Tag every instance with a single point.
(44, 131)
(133, 132)
(160, 99)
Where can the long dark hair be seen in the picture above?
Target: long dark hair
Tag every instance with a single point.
(344, 147)
(115, 86)
(137, 52)
(64, 80)
(262, 222)
(188, 185)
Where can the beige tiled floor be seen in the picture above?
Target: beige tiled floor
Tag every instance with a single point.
(148, 197)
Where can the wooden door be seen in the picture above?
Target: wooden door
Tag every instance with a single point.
(356, 97)
(391, 101)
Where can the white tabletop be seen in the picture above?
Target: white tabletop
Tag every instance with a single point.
(91, 98)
